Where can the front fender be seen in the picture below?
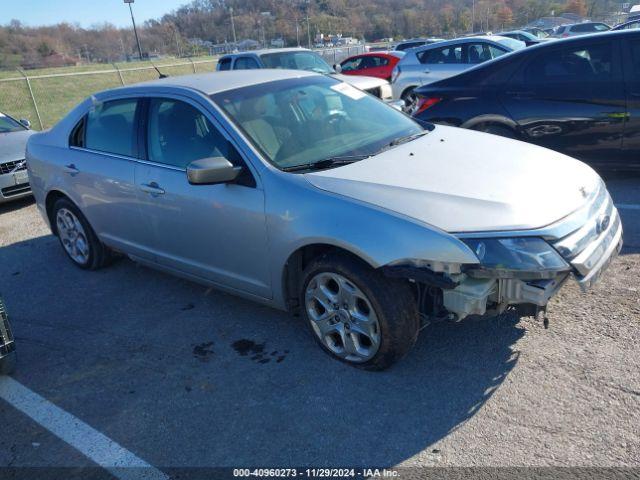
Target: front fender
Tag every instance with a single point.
(300, 215)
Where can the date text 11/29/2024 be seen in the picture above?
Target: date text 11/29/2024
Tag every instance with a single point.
(315, 472)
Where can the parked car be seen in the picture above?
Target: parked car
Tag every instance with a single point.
(526, 37)
(7, 343)
(301, 192)
(375, 64)
(537, 32)
(415, 42)
(584, 28)
(14, 182)
(633, 24)
(578, 96)
(300, 59)
(423, 65)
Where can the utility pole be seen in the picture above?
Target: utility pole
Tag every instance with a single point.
(473, 16)
(308, 29)
(135, 31)
(233, 28)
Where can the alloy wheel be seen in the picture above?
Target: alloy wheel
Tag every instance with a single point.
(72, 236)
(342, 317)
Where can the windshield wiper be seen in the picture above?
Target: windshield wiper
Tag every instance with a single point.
(326, 163)
(407, 138)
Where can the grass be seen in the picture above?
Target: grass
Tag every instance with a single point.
(55, 96)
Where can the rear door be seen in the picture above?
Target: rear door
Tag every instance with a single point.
(214, 232)
(99, 168)
(631, 63)
(570, 98)
(439, 63)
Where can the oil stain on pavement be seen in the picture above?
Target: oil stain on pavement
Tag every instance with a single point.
(256, 351)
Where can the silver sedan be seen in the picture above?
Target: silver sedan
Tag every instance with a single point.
(14, 181)
(309, 195)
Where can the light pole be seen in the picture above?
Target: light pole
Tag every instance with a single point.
(135, 31)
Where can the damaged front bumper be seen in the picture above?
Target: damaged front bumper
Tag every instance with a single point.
(581, 246)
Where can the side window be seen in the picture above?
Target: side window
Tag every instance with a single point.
(482, 52)
(245, 63)
(380, 61)
(441, 55)
(587, 63)
(353, 64)
(178, 134)
(109, 127)
(224, 64)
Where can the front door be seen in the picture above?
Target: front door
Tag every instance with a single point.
(215, 232)
(571, 99)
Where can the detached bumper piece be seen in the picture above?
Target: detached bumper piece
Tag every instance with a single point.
(7, 344)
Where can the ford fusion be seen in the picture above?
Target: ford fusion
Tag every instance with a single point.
(304, 193)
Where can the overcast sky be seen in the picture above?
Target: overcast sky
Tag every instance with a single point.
(84, 12)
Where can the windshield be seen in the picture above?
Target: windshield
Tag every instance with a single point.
(8, 124)
(301, 121)
(302, 60)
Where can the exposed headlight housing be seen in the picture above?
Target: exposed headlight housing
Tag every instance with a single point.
(517, 257)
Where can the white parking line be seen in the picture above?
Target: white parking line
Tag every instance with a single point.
(627, 206)
(102, 450)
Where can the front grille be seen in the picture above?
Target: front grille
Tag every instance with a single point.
(376, 92)
(9, 167)
(15, 190)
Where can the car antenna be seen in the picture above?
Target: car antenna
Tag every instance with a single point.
(160, 74)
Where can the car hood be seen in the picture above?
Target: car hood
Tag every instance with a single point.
(13, 145)
(361, 82)
(464, 181)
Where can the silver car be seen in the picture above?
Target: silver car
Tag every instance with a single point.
(423, 65)
(14, 182)
(304, 193)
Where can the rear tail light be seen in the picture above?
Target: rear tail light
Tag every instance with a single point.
(424, 103)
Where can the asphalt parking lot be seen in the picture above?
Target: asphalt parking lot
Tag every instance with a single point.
(178, 375)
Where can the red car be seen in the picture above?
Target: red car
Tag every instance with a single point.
(373, 64)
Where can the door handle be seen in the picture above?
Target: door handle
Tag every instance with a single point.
(427, 71)
(71, 169)
(152, 188)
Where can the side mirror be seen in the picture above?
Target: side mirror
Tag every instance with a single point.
(25, 122)
(212, 170)
(338, 68)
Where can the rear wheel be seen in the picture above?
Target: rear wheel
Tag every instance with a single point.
(356, 314)
(77, 238)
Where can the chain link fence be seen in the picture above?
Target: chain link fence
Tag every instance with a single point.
(44, 98)
(337, 55)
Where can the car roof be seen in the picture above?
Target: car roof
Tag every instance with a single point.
(456, 41)
(215, 82)
(264, 51)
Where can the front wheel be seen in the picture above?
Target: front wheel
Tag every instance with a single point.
(357, 314)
